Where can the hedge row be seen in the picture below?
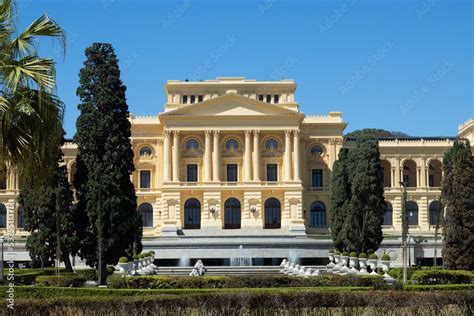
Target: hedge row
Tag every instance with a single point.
(51, 292)
(190, 282)
(260, 303)
(443, 277)
(61, 281)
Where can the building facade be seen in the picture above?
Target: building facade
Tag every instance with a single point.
(234, 162)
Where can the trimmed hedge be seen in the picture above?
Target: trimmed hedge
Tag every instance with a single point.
(61, 281)
(191, 282)
(261, 302)
(442, 277)
(52, 292)
(397, 273)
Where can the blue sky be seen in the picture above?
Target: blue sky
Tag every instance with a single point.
(398, 65)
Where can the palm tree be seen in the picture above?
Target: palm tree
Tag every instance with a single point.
(30, 111)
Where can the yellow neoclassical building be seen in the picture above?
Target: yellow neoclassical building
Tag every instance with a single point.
(231, 168)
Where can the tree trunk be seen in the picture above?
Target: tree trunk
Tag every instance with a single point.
(103, 273)
(67, 262)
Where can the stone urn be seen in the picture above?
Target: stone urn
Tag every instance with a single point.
(373, 266)
(363, 266)
(353, 264)
(344, 269)
(386, 267)
(331, 264)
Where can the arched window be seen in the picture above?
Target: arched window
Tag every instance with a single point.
(146, 211)
(145, 151)
(316, 151)
(411, 209)
(21, 218)
(271, 144)
(435, 209)
(231, 145)
(388, 215)
(317, 214)
(192, 214)
(272, 213)
(232, 214)
(3, 216)
(192, 144)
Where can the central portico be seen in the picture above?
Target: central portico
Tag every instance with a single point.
(234, 162)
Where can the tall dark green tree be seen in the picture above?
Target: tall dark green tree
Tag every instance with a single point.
(105, 162)
(339, 198)
(362, 229)
(458, 196)
(49, 216)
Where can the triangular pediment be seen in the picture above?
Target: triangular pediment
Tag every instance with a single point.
(231, 105)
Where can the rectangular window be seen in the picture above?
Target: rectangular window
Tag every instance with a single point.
(192, 173)
(145, 179)
(3, 183)
(276, 98)
(200, 98)
(269, 98)
(272, 172)
(260, 97)
(431, 180)
(317, 178)
(193, 99)
(185, 99)
(406, 179)
(232, 172)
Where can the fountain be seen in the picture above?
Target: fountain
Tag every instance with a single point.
(293, 256)
(184, 260)
(241, 260)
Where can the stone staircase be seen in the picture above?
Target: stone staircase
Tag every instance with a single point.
(226, 270)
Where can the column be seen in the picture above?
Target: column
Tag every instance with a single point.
(207, 157)
(424, 174)
(287, 157)
(216, 158)
(256, 156)
(176, 154)
(398, 177)
(166, 155)
(247, 157)
(296, 151)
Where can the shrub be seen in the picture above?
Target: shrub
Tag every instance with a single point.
(337, 252)
(88, 274)
(123, 260)
(373, 256)
(136, 257)
(61, 281)
(259, 302)
(397, 273)
(385, 257)
(363, 255)
(443, 277)
(345, 254)
(189, 282)
(353, 254)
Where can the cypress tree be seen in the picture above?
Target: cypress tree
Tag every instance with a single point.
(458, 193)
(362, 228)
(49, 216)
(105, 162)
(339, 197)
